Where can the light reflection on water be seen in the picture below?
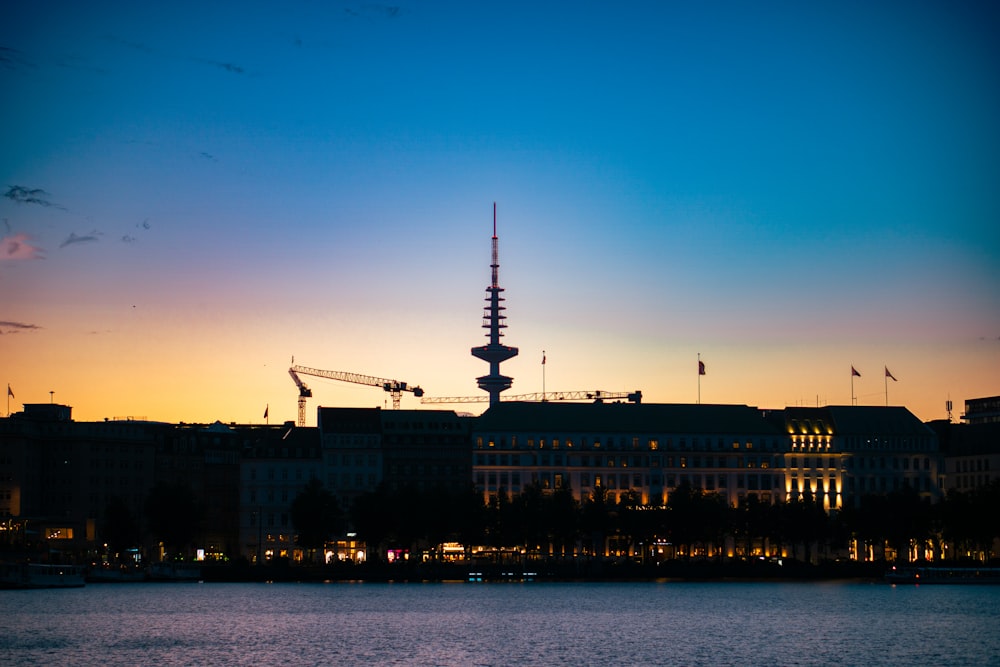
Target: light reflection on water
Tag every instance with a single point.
(503, 624)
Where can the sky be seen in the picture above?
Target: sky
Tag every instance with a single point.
(194, 195)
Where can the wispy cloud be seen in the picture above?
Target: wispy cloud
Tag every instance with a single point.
(114, 39)
(130, 238)
(229, 67)
(18, 247)
(13, 58)
(17, 327)
(23, 195)
(73, 239)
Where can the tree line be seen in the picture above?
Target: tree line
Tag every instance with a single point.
(693, 523)
(543, 523)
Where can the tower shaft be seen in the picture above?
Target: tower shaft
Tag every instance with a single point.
(494, 320)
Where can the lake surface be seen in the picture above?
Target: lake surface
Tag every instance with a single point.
(867, 624)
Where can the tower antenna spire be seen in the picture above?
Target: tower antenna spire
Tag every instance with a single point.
(493, 320)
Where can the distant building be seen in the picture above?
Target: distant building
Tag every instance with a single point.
(836, 454)
(854, 451)
(982, 410)
(640, 451)
(58, 477)
(276, 464)
(365, 448)
(971, 454)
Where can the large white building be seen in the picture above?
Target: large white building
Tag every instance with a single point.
(644, 451)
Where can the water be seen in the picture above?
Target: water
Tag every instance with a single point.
(503, 624)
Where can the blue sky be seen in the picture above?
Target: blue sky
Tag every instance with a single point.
(787, 189)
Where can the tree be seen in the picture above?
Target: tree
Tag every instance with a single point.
(316, 516)
(120, 527)
(371, 518)
(597, 520)
(175, 515)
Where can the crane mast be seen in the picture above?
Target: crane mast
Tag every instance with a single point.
(304, 393)
(394, 388)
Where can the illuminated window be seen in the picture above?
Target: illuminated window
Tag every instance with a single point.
(736, 445)
(555, 443)
(597, 480)
(653, 445)
(479, 442)
(684, 462)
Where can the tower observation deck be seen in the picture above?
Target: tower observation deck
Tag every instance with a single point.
(494, 321)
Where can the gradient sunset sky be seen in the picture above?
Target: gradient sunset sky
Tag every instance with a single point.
(193, 194)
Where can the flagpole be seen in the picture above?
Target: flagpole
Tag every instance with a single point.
(853, 400)
(885, 381)
(699, 378)
(543, 375)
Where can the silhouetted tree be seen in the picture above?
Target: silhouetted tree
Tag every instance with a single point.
(563, 518)
(175, 515)
(316, 516)
(120, 527)
(372, 519)
(597, 520)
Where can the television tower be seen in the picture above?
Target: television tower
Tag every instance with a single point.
(493, 320)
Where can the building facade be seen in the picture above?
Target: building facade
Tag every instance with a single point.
(275, 465)
(369, 448)
(640, 451)
(645, 451)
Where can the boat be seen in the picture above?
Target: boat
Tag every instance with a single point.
(171, 571)
(41, 575)
(943, 575)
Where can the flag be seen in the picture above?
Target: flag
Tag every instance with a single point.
(9, 392)
(266, 408)
(889, 375)
(854, 372)
(543, 357)
(701, 368)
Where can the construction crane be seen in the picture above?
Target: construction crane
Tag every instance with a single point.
(597, 396)
(395, 388)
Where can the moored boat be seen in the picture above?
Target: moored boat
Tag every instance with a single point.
(40, 575)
